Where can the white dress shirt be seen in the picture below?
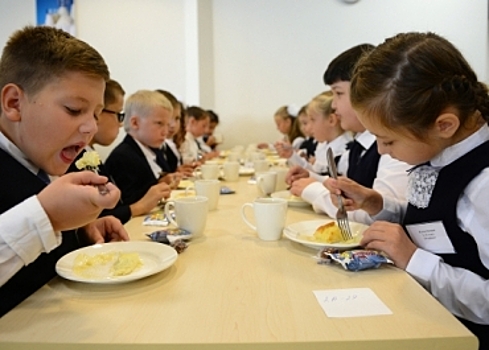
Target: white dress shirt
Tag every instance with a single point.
(461, 291)
(390, 182)
(25, 230)
(150, 158)
(189, 149)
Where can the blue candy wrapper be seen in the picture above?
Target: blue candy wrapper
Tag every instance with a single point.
(354, 260)
(174, 237)
(227, 190)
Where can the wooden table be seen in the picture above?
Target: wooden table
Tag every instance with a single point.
(229, 290)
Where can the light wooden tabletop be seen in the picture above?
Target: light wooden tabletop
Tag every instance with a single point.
(230, 290)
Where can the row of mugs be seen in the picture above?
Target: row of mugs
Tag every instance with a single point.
(269, 213)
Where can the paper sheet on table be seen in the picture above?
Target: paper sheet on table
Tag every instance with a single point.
(352, 302)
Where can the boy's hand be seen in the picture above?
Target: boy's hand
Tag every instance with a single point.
(391, 239)
(73, 200)
(295, 173)
(299, 185)
(356, 196)
(106, 229)
(150, 200)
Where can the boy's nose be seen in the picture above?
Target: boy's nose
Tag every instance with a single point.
(89, 127)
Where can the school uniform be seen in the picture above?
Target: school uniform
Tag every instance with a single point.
(381, 173)
(456, 274)
(121, 211)
(39, 252)
(309, 145)
(320, 166)
(190, 148)
(173, 157)
(132, 170)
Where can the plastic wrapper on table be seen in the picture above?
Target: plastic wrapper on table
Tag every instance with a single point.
(353, 260)
(174, 237)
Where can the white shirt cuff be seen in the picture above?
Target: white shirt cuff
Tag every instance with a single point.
(422, 265)
(28, 230)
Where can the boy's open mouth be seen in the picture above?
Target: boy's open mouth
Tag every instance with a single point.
(68, 154)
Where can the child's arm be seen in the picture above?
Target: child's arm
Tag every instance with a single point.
(356, 196)
(31, 227)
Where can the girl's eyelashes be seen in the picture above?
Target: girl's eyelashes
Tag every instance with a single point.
(389, 143)
(73, 111)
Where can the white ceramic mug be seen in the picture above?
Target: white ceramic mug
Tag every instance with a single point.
(280, 185)
(209, 189)
(234, 156)
(209, 171)
(231, 171)
(260, 165)
(270, 215)
(266, 182)
(190, 212)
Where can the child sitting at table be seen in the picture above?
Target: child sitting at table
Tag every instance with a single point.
(361, 162)
(193, 150)
(308, 146)
(169, 147)
(210, 138)
(287, 124)
(132, 164)
(108, 124)
(52, 92)
(327, 130)
(421, 98)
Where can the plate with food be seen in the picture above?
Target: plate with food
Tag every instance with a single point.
(320, 234)
(183, 184)
(182, 193)
(292, 201)
(116, 262)
(245, 171)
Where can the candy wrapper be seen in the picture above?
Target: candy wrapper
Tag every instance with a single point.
(174, 237)
(226, 190)
(353, 260)
(157, 218)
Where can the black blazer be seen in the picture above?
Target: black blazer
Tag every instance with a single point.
(130, 170)
(121, 210)
(17, 184)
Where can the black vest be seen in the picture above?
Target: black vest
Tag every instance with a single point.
(364, 171)
(171, 159)
(451, 182)
(17, 184)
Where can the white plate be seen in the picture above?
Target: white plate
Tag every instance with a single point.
(299, 232)
(292, 201)
(155, 256)
(246, 171)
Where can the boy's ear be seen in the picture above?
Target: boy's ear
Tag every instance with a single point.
(134, 122)
(11, 97)
(447, 125)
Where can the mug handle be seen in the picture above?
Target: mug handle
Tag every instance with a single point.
(188, 188)
(259, 182)
(167, 213)
(243, 215)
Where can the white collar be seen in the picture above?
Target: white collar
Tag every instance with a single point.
(9, 147)
(452, 153)
(366, 139)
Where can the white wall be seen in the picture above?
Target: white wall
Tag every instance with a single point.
(253, 55)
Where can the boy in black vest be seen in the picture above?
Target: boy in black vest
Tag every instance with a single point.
(361, 162)
(52, 87)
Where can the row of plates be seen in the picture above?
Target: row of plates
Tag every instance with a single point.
(157, 257)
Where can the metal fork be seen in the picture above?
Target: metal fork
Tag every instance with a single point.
(341, 215)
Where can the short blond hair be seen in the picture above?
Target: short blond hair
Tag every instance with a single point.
(142, 103)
